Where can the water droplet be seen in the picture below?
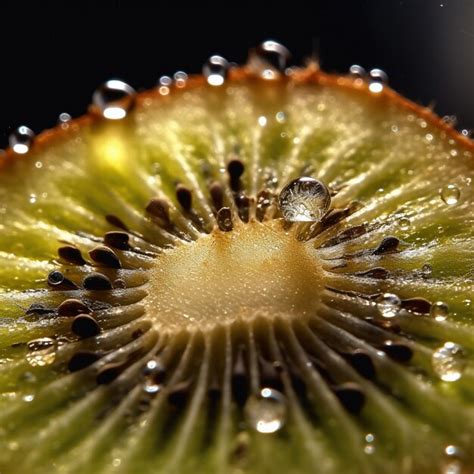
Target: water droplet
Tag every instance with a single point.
(378, 79)
(449, 362)
(180, 78)
(215, 70)
(151, 387)
(369, 447)
(266, 412)
(28, 398)
(304, 200)
(404, 223)
(357, 71)
(280, 117)
(165, 81)
(270, 59)
(262, 121)
(453, 455)
(64, 117)
(114, 99)
(426, 270)
(450, 194)
(21, 139)
(439, 311)
(388, 305)
(42, 352)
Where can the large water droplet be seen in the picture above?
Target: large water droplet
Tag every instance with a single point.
(270, 59)
(42, 352)
(20, 139)
(378, 79)
(304, 200)
(388, 305)
(439, 310)
(404, 223)
(266, 412)
(450, 194)
(215, 70)
(449, 362)
(114, 99)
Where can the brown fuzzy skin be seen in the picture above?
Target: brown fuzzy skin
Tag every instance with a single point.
(310, 74)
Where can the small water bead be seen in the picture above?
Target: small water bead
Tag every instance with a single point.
(369, 447)
(378, 79)
(267, 411)
(449, 362)
(21, 139)
(64, 118)
(280, 117)
(271, 58)
(426, 270)
(215, 70)
(180, 78)
(114, 99)
(357, 71)
(450, 194)
(304, 200)
(404, 223)
(439, 311)
(388, 305)
(151, 387)
(42, 352)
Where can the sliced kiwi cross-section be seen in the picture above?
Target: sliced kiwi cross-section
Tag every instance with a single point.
(249, 271)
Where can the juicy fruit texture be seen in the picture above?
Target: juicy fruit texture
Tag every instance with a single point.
(159, 315)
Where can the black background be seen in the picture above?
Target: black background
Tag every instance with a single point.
(52, 58)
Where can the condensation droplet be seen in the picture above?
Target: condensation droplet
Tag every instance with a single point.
(388, 305)
(378, 79)
(215, 70)
(270, 59)
(180, 78)
(114, 99)
(450, 194)
(280, 117)
(28, 398)
(64, 117)
(439, 311)
(357, 71)
(369, 447)
(426, 270)
(151, 387)
(262, 121)
(453, 456)
(304, 200)
(21, 139)
(266, 412)
(449, 362)
(404, 223)
(42, 352)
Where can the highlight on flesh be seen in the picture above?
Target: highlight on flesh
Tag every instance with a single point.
(258, 269)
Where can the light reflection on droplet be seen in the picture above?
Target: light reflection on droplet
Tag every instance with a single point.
(439, 311)
(114, 99)
(215, 70)
(41, 352)
(449, 362)
(267, 411)
(271, 59)
(21, 139)
(304, 200)
(388, 305)
(378, 79)
(450, 194)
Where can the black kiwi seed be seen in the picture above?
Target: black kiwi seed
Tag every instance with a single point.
(85, 326)
(82, 359)
(217, 194)
(388, 245)
(158, 207)
(105, 256)
(72, 307)
(417, 305)
(351, 397)
(96, 282)
(117, 240)
(236, 169)
(398, 352)
(71, 254)
(362, 363)
(179, 393)
(224, 219)
(184, 197)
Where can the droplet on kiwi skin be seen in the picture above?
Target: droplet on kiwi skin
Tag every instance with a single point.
(215, 70)
(21, 139)
(266, 412)
(114, 99)
(449, 362)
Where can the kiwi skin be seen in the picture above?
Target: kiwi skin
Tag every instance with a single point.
(227, 362)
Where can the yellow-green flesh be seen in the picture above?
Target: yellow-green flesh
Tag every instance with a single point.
(258, 281)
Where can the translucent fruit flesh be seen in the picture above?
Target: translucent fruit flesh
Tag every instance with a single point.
(210, 307)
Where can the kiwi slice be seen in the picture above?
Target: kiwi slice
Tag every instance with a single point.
(255, 270)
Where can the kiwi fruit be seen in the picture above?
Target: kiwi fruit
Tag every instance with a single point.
(259, 269)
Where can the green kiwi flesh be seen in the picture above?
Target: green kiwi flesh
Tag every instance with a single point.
(150, 290)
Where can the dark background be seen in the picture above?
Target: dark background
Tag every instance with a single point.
(52, 58)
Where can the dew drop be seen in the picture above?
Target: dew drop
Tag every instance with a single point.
(426, 270)
(165, 81)
(270, 59)
(378, 79)
(450, 194)
(215, 70)
(388, 305)
(262, 121)
(369, 447)
(266, 412)
(21, 139)
(449, 362)
(439, 311)
(64, 118)
(180, 79)
(280, 117)
(114, 99)
(304, 200)
(151, 387)
(404, 223)
(42, 352)
(28, 398)
(357, 71)
(453, 455)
